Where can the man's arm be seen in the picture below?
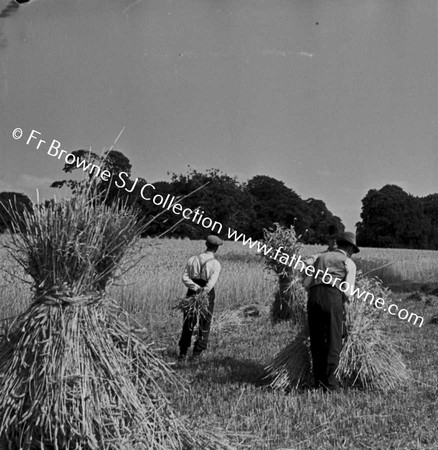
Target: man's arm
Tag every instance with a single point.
(213, 275)
(350, 278)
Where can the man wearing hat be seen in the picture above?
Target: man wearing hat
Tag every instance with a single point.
(333, 282)
(201, 273)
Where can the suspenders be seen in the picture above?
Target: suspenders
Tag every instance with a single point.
(203, 264)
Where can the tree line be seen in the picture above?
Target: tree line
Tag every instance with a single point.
(394, 218)
(390, 217)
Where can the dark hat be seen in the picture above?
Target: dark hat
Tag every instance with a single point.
(349, 238)
(213, 240)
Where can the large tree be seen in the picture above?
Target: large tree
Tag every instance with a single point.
(393, 218)
(275, 202)
(92, 166)
(222, 199)
(430, 208)
(320, 221)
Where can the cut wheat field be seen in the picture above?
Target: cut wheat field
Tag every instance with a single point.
(226, 386)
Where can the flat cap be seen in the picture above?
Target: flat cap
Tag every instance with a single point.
(213, 240)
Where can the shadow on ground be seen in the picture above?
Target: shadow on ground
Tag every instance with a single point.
(231, 370)
(226, 370)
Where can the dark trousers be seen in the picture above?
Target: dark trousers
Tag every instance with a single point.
(325, 312)
(190, 322)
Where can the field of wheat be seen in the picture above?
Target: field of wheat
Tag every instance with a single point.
(226, 387)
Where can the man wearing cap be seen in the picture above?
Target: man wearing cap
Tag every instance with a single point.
(201, 273)
(332, 282)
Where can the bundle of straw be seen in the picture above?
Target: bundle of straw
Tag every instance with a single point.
(369, 357)
(74, 373)
(291, 368)
(194, 305)
(287, 240)
(231, 320)
(290, 298)
(228, 321)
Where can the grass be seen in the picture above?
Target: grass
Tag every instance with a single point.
(226, 390)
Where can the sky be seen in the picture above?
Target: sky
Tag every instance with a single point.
(331, 97)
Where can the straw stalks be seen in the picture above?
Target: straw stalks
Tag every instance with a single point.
(195, 308)
(290, 298)
(74, 373)
(291, 368)
(369, 358)
(228, 321)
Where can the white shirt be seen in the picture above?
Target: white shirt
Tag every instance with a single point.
(211, 268)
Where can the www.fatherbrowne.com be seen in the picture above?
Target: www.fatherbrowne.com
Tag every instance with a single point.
(297, 263)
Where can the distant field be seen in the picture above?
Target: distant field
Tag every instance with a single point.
(225, 389)
(395, 265)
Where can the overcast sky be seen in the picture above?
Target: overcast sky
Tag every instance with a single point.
(332, 97)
